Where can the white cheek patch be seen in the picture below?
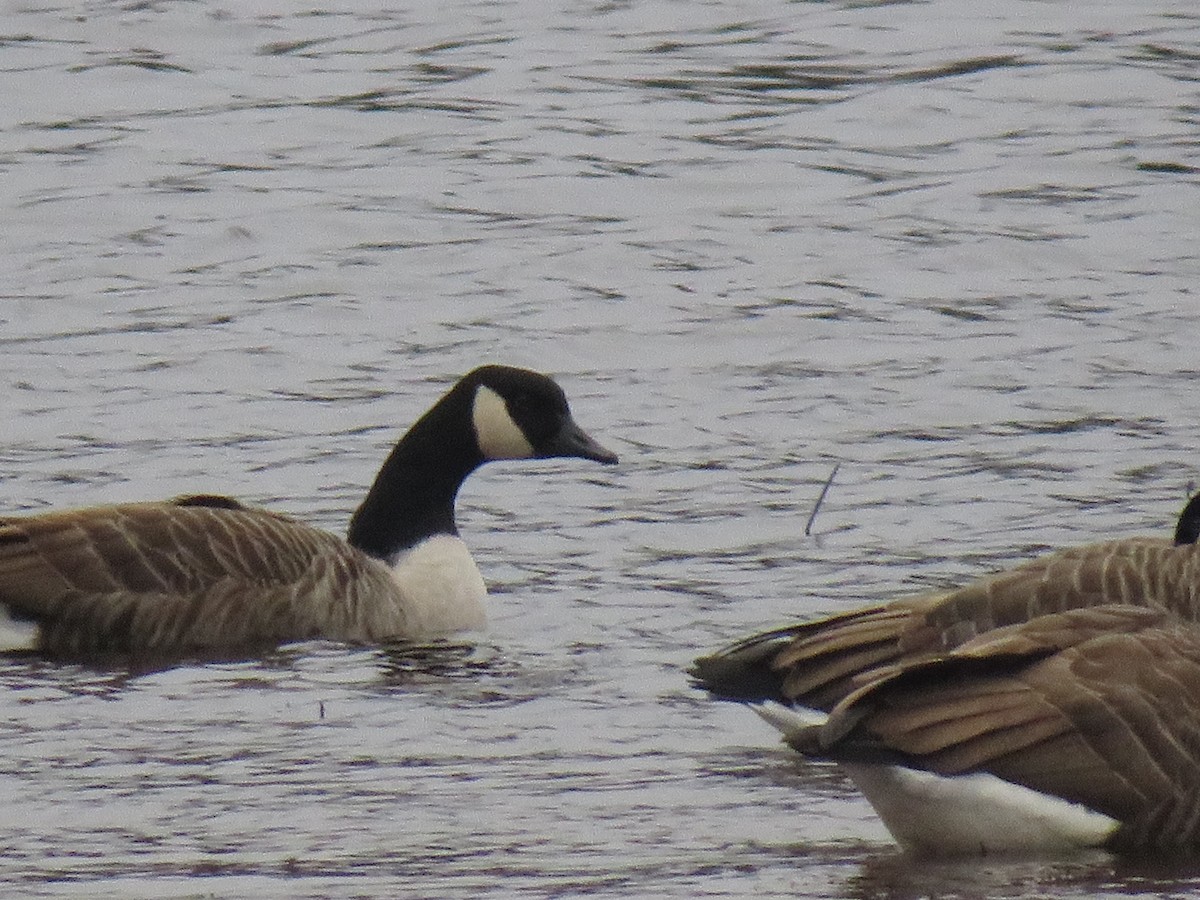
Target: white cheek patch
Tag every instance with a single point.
(498, 435)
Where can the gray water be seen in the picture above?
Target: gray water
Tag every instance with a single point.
(952, 247)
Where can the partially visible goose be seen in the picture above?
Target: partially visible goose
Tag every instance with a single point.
(206, 574)
(1055, 706)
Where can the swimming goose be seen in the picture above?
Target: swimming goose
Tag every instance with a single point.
(207, 574)
(1052, 707)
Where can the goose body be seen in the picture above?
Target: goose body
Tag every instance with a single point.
(1054, 706)
(207, 574)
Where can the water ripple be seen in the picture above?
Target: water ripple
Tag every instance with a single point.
(247, 246)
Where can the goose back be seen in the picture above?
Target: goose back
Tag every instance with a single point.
(818, 663)
(175, 577)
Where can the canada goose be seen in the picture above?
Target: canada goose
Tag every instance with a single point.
(1054, 706)
(206, 574)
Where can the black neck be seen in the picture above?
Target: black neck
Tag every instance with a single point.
(413, 494)
(1188, 528)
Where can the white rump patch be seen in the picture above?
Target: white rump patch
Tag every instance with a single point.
(498, 435)
(977, 813)
(441, 588)
(16, 634)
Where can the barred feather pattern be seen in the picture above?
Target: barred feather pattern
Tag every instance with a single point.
(829, 658)
(193, 574)
(1076, 675)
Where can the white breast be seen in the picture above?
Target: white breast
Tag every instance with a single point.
(441, 588)
(498, 436)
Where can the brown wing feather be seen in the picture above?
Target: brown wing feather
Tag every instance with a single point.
(827, 659)
(1098, 706)
(175, 576)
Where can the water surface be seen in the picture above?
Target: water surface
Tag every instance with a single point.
(953, 249)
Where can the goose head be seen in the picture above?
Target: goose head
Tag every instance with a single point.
(519, 414)
(492, 413)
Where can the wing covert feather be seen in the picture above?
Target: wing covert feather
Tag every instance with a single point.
(827, 659)
(1107, 718)
(166, 576)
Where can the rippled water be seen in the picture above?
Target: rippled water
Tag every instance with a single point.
(951, 246)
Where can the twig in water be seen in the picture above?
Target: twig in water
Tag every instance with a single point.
(820, 499)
